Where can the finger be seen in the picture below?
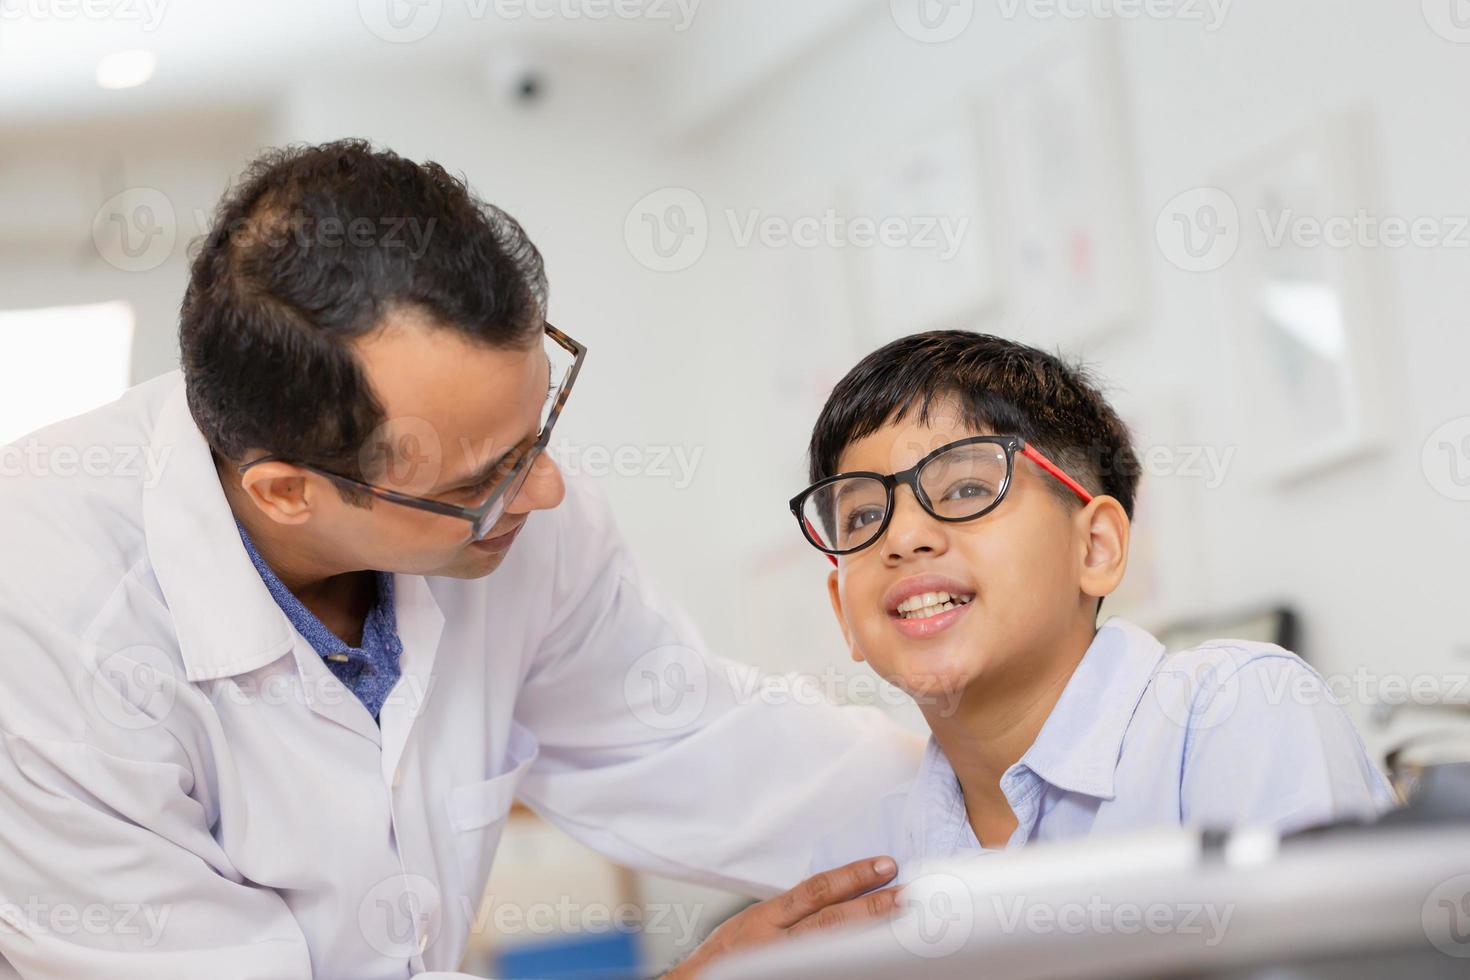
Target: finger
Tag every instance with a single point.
(832, 887)
(871, 907)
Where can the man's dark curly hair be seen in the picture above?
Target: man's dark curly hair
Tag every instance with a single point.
(311, 249)
(1001, 387)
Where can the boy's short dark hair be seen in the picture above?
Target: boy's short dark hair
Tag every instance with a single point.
(309, 251)
(1001, 386)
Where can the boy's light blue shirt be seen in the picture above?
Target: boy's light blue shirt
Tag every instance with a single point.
(1230, 734)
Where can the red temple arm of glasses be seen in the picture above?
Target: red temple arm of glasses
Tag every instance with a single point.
(813, 531)
(1037, 457)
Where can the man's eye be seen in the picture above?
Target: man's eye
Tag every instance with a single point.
(476, 490)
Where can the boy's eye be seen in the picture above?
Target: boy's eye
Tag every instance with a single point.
(968, 490)
(859, 518)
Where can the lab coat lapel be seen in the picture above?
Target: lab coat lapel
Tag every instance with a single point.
(328, 697)
(420, 625)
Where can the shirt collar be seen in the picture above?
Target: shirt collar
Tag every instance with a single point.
(380, 626)
(225, 619)
(1080, 743)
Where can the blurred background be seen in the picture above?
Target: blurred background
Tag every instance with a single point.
(1250, 218)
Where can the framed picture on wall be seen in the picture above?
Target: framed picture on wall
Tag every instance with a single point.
(1058, 134)
(1306, 300)
(932, 264)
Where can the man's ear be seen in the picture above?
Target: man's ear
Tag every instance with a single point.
(1105, 527)
(283, 492)
(835, 595)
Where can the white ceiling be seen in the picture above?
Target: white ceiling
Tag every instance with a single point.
(226, 53)
(240, 51)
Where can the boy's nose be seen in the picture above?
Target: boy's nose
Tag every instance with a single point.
(912, 531)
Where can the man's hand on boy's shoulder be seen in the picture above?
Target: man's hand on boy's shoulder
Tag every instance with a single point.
(841, 897)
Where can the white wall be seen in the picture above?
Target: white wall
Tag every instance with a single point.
(721, 362)
(1370, 554)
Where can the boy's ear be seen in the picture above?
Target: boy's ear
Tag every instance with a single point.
(1105, 554)
(836, 597)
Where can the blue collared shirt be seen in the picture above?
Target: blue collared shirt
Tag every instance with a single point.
(368, 671)
(1230, 734)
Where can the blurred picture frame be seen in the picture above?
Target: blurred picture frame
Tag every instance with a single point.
(1306, 311)
(942, 274)
(1058, 139)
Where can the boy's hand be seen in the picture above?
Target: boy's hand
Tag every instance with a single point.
(829, 900)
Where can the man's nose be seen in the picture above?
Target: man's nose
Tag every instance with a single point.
(544, 488)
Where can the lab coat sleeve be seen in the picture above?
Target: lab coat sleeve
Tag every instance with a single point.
(1269, 746)
(109, 866)
(667, 758)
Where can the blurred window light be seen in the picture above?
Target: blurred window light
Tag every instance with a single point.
(56, 362)
(126, 69)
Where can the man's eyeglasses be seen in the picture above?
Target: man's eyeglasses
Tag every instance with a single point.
(957, 482)
(510, 471)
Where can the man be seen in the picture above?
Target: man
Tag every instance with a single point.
(265, 715)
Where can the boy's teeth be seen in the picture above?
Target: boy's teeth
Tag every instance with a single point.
(930, 604)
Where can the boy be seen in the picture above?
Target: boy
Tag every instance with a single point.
(975, 495)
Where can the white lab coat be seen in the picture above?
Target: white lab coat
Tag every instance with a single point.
(186, 790)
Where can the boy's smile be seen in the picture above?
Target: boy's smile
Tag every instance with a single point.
(925, 605)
